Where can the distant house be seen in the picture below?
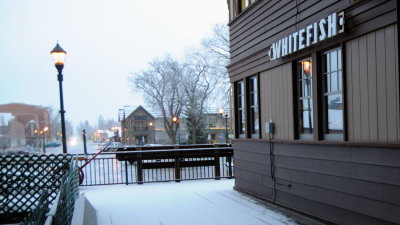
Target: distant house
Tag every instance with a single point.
(138, 127)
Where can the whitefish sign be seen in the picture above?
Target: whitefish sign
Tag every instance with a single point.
(310, 35)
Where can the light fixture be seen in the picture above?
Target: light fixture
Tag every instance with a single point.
(175, 119)
(306, 64)
(58, 54)
(221, 111)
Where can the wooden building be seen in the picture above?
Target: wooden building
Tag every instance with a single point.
(321, 81)
(138, 127)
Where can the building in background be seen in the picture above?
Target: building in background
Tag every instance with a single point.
(141, 127)
(321, 80)
(138, 127)
(28, 125)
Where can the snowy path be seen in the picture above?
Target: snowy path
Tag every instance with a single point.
(206, 202)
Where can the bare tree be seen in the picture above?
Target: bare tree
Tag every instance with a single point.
(161, 85)
(198, 86)
(217, 46)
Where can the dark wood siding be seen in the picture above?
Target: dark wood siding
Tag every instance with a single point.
(373, 87)
(341, 184)
(277, 100)
(253, 32)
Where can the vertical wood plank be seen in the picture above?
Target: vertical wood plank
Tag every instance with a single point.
(355, 73)
(280, 99)
(349, 88)
(277, 95)
(391, 98)
(397, 81)
(364, 97)
(290, 101)
(286, 101)
(273, 96)
(381, 85)
(261, 102)
(372, 95)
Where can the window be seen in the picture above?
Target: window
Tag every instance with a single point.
(332, 91)
(242, 4)
(240, 114)
(304, 93)
(140, 125)
(253, 106)
(238, 6)
(211, 122)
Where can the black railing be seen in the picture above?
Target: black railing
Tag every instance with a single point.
(143, 166)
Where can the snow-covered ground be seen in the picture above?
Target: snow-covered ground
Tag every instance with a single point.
(201, 202)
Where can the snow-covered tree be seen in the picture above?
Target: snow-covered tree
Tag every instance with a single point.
(161, 85)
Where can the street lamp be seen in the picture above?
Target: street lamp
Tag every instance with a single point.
(175, 120)
(58, 54)
(223, 114)
(152, 125)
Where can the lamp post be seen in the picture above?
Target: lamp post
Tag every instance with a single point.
(152, 125)
(223, 114)
(58, 54)
(175, 120)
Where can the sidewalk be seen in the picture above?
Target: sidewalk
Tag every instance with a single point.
(201, 202)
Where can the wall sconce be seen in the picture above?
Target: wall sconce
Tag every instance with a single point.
(306, 64)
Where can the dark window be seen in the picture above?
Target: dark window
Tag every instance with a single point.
(332, 91)
(240, 119)
(304, 93)
(140, 117)
(253, 106)
(211, 122)
(140, 125)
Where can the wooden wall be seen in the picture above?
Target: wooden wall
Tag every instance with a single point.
(277, 101)
(342, 184)
(372, 83)
(253, 32)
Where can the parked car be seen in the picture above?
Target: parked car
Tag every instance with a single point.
(52, 144)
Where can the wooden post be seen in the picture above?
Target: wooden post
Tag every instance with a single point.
(229, 159)
(217, 169)
(126, 171)
(177, 169)
(139, 169)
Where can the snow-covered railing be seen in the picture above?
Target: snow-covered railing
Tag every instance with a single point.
(151, 165)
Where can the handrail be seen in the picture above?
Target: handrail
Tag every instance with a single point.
(167, 150)
(80, 169)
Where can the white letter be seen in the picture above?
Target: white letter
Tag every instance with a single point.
(301, 38)
(322, 32)
(276, 47)
(332, 27)
(308, 34)
(315, 33)
(284, 46)
(290, 43)
(295, 34)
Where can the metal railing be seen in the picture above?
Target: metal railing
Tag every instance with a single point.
(30, 183)
(144, 166)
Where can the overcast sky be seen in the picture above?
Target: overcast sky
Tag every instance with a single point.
(105, 41)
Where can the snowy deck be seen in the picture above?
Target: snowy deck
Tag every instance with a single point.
(205, 202)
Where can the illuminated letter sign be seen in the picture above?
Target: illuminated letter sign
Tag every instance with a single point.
(312, 34)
